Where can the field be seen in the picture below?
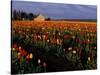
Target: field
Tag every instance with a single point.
(52, 46)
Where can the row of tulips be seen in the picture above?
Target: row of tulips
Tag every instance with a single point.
(21, 59)
(21, 52)
(77, 44)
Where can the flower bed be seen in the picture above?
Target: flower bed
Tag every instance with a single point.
(51, 46)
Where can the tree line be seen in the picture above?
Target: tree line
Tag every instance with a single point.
(22, 15)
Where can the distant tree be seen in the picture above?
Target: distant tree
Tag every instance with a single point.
(19, 15)
(30, 16)
(14, 15)
(48, 19)
(24, 15)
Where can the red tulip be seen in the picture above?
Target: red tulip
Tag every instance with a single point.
(17, 49)
(86, 41)
(78, 40)
(44, 37)
(28, 56)
(67, 36)
(24, 52)
(20, 47)
(15, 45)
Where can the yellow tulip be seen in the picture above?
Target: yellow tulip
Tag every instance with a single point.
(13, 49)
(31, 55)
(57, 41)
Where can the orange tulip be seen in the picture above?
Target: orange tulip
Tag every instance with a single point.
(19, 55)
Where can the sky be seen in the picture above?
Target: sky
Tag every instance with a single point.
(57, 10)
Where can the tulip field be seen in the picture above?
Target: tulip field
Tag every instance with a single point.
(53, 46)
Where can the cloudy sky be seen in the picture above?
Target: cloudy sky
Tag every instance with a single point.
(57, 11)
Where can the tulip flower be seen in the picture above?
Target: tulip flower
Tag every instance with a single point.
(19, 55)
(28, 56)
(44, 64)
(70, 48)
(67, 36)
(24, 52)
(39, 36)
(95, 48)
(74, 51)
(14, 45)
(58, 41)
(48, 40)
(20, 47)
(31, 55)
(88, 40)
(39, 61)
(78, 40)
(13, 49)
(89, 59)
(73, 37)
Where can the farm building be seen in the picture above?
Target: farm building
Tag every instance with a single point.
(39, 17)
